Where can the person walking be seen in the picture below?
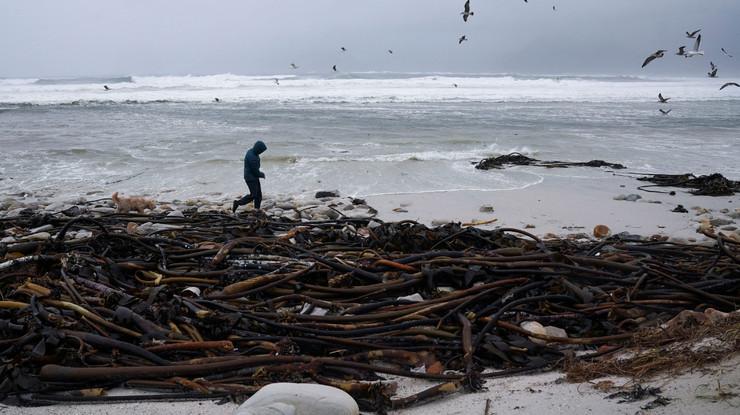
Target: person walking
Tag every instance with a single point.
(252, 176)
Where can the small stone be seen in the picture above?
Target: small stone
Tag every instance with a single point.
(440, 222)
(529, 226)
(534, 327)
(485, 209)
(359, 202)
(729, 228)
(176, 214)
(720, 222)
(400, 210)
(83, 234)
(553, 331)
(348, 207)
(41, 229)
(373, 224)
(620, 197)
(7, 240)
(633, 197)
(602, 231)
(41, 236)
(680, 209)
(724, 210)
(103, 210)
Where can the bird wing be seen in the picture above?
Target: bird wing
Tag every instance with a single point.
(660, 97)
(467, 7)
(697, 43)
(648, 60)
(729, 84)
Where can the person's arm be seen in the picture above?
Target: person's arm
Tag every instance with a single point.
(254, 165)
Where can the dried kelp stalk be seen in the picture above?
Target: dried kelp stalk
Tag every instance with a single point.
(212, 305)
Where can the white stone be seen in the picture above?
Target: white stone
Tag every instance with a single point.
(534, 327)
(7, 240)
(176, 214)
(415, 297)
(299, 399)
(41, 236)
(553, 331)
(42, 228)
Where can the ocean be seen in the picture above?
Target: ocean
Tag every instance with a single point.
(362, 134)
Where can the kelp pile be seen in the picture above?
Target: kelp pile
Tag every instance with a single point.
(518, 159)
(210, 305)
(710, 185)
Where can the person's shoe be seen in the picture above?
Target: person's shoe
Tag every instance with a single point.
(234, 206)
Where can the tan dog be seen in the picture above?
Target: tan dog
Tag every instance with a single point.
(127, 204)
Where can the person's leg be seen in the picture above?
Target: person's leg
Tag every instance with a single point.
(244, 200)
(257, 194)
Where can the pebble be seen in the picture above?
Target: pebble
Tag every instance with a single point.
(326, 194)
(40, 236)
(7, 240)
(176, 214)
(440, 222)
(729, 228)
(720, 222)
(103, 210)
(630, 197)
(41, 229)
(486, 209)
(602, 231)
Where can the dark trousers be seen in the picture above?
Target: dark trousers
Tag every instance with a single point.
(255, 194)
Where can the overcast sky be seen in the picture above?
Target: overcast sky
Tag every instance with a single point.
(63, 38)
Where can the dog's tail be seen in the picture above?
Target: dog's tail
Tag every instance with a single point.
(115, 198)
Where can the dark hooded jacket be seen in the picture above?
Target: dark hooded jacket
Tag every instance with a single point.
(252, 171)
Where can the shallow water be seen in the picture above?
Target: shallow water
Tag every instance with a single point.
(363, 134)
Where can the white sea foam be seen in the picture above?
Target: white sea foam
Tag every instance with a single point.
(356, 88)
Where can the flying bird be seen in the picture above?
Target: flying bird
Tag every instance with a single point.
(455, 85)
(462, 39)
(712, 73)
(390, 51)
(334, 68)
(664, 112)
(654, 56)
(661, 99)
(294, 66)
(106, 87)
(553, 8)
(466, 12)
(729, 84)
(695, 51)
(217, 99)
(681, 51)
(725, 52)
(692, 34)
(277, 81)
(343, 49)
(713, 66)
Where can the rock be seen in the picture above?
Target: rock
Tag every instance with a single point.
(7, 240)
(103, 210)
(534, 327)
(529, 226)
(602, 231)
(633, 197)
(299, 399)
(43, 228)
(348, 207)
(176, 214)
(440, 222)
(286, 205)
(21, 211)
(724, 210)
(326, 193)
(373, 224)
(720, 222)
(680, 209)
(485, 209)
(729, 228)
(620, 197)
(359, 202)
(41, 236)
(553, 331)
(83, 234)
(400, 210)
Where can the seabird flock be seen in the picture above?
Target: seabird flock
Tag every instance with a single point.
(467, 13)
(695, 51)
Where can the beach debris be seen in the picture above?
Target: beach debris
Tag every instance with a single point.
(209, 305)
(680, 209)
(518, 159)
(709, 185)
(636, 393)
(486, 209)
(601, 231)
(326, 193)
(299, 399)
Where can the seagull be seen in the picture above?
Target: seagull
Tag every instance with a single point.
(106, 87)
(692, 34)
(553, 8)
(466, 12)
(712, 73)
(462, 39)
(664, 112)
(216, 99)
(681, 51)
(390, 51)
(695, 51)
(294, 66)
(455, 85)
(343, 49)
(661, 99)
(729, 84)
(725, 52)
(656, 55)
(334, 68)
(712, 65)
(277, 81)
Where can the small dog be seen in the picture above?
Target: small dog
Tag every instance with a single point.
(127, 204)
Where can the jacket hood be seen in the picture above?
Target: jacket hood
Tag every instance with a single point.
(259, 147)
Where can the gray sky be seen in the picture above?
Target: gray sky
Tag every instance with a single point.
(45, 38)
